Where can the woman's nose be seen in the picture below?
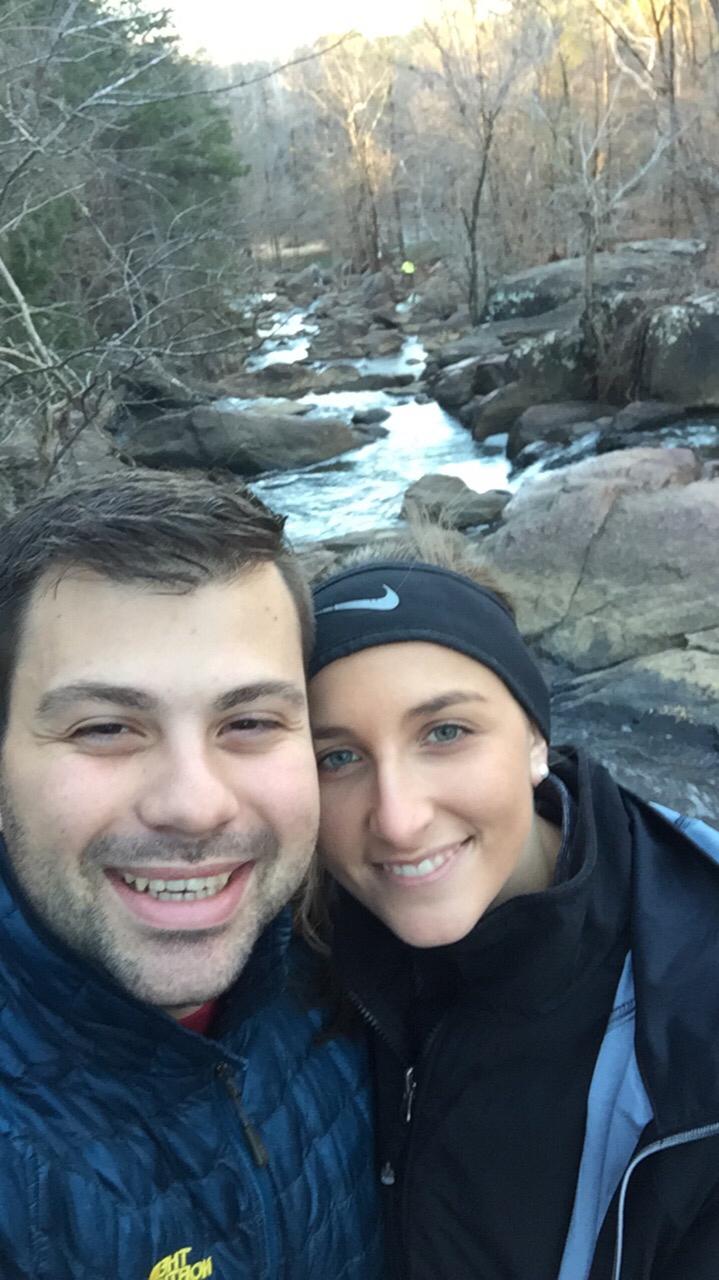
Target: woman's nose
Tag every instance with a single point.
(401, 810)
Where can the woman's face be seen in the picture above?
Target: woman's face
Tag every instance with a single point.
(427, 767)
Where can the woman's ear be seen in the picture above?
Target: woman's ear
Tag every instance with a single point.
(538, 756)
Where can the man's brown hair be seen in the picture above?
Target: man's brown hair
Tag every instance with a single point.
(174, 530)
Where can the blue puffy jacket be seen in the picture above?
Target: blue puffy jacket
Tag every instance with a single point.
(133, 1149)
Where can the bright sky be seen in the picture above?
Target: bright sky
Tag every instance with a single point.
(244, 30)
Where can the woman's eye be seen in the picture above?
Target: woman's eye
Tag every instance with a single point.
(331, 761)
(445, 733)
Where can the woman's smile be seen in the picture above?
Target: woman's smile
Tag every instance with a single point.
(427, 787)
(425, 869)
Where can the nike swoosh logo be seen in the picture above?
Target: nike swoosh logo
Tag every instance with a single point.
(389, 600)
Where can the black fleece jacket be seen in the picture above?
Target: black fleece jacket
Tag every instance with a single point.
(484, 1053)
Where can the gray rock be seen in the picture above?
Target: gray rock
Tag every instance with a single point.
(305, 283)
(562, 319)
(449, 499)
(247, 441)
(457, 384)
(555, 423)
(554, 366)
(365, 433)
(681, 353)
(387, 318)
(367, 417)
(303, 379)
(638, 265)
(377, 290)
(651, 721)
(437, 297)
(382, 342)
(643, 415)
(611, 558)
(491, 414)
(479, 342)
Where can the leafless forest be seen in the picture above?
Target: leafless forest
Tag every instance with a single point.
(548, 129)
(141, 192)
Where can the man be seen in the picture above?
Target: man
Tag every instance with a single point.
(159, 809)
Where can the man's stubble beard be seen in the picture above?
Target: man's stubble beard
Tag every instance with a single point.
(179, 968)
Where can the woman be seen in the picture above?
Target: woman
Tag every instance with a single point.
(534, 953)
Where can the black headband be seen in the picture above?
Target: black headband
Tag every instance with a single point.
(390, 601)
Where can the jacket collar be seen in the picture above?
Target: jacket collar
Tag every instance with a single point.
(675, 946)
(91, 1015)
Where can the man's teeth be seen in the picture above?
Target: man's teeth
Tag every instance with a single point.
(406, 870)
(178, 890)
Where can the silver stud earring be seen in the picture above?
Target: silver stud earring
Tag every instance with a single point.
(543, 773)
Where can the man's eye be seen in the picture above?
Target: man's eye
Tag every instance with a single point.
(332, 761)
(106, 731)
(446, 733)
(251, 725)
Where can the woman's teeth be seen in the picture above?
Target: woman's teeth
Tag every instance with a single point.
(178, 890)
(407, 870)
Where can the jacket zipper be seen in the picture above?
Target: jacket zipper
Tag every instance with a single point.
(258, 1150)
(662, 1144)
(386, 1174)
(409, 1093)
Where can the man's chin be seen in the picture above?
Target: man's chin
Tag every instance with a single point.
(184, 971)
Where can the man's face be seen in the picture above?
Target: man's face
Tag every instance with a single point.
(155, 737)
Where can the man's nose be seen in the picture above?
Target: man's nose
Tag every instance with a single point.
(401, 809)
(189, 790)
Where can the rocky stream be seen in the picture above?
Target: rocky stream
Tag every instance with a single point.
(585, 474)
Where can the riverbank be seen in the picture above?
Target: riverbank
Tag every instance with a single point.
(597, 510)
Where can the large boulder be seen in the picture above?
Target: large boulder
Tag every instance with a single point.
(644, 415)
(613, 558)
(554, 365)
(679, 684)
(244, 441)
(652, 721)
(383, 342)
(554, 423)
(456, 384)
(494, 413)
(680, 360)
(378, 289)
(644, 264)
(305, 284)
(449, 500)
(479, 342)
(437, 297)
(539, 371)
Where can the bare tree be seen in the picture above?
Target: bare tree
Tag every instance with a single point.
(481, 62)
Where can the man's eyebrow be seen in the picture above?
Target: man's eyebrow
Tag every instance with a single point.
(326, 732)
(92, 691)
(243, 694)
(67, 695)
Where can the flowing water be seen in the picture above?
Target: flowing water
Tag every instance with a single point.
(364, 489)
